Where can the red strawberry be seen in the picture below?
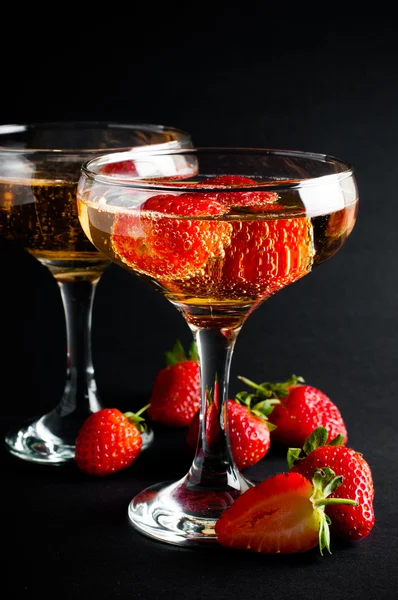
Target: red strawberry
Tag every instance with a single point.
(349, 522)
(109, 441)
(166, 247)
(283, 514)
(212, 430)
(257, 201)
(262, 257)
(212, 419)
(302, 409)
(247, 425)
(123, 167)
(341, 223)
(266, 255)
(175, 394)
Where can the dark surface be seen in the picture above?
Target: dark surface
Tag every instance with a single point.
(325, 84)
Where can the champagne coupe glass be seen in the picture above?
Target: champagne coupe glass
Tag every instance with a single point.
(39, 170)
(217, 231)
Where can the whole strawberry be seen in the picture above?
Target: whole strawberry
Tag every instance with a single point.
(281, 515)
(302, 409)
(109, 441)
(175, 396)
(349, 522)
(249, 429)
(261, 256)
(168, 239)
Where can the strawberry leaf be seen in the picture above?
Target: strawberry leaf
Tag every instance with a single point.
(318, 437)
(270, 426)
(272, 390)
(324, 534)
(176, 354)
(293, 456)
(337, 441)
(193, 352)
(325, 482)
(137, 420)
(244, 398)
(333, 484)
(262, 407)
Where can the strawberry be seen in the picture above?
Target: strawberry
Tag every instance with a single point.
(283, 514)
(152, 241)
(174, 240)
(109, 441)
(249, 430)
(175, 396)
(256, 201)
(212, 431)
(302, 408)
(262, 256)
(266, 255)
(341, 223)
(351, 522)
(122, 167)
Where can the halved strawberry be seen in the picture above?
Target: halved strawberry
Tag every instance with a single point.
(281, 515)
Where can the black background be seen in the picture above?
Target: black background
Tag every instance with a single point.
(325, 81)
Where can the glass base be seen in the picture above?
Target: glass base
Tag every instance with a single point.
(36, 443)
(172, 513)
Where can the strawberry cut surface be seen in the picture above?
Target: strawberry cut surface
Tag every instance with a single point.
(276, 516)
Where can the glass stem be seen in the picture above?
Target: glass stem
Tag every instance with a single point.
(213, 466)
(80, 394)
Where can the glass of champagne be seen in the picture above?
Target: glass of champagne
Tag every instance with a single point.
(216, 231)
(39, 171)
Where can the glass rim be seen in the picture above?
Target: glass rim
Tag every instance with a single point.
(144, 127)
(178, 186)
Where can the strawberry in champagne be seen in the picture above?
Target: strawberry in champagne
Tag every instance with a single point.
(223, 249)
(216, 231)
